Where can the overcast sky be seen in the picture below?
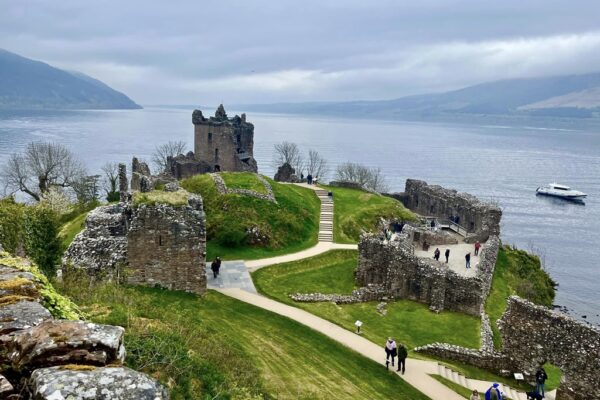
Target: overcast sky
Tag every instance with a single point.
(257, 51)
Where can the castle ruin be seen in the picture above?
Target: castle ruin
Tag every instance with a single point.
(220, 144)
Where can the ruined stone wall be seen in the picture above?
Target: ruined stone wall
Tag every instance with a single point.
(101, 248)
(186, 166)
(166, 246)
(401, 274)
(46, 358)
(533, 335)
(480, 219)
(226, 144)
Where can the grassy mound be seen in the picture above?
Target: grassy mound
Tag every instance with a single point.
(175, 199)
(217, 347)
(288, 226)
(517, 272)
(357, 210)
(243, 180)
(333, 272)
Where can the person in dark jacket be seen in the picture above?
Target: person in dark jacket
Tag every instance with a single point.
(402, 354)
(436, 254)
(468, 260)
(309, 179)
(540, 380)
(447, 254)
(534, 395)
(215, 266)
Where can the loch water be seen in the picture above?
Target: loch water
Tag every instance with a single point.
(495, 161)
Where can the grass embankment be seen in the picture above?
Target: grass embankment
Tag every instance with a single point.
(73, 222)
(243, 180)
(409, 322)
(517, 272)
(218, 347)
(357, 211)
(290, 225)
(176, 199)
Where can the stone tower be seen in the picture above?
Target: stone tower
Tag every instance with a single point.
(222, 143)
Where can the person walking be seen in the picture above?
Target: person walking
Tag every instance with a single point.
(436, 254)
(447, 254)
(390, 351)
(215, 266)
(309, 179)
(540, 380)
(493, 393)
(474, 395)
(468, 260)
(477, 247)
(402, 354)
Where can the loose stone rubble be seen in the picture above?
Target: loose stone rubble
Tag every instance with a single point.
(42, 358)
(223, 189)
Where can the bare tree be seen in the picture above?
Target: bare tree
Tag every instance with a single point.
(166, 150)
(287, 152)
(86, 188)
(369, 178)
(42, 166)
(316, 165)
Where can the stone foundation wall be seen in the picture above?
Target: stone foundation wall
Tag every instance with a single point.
(481, 219)
(45, 358)
(166, 246)
(401, 274)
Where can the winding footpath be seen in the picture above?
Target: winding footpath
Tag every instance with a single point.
(235, 282)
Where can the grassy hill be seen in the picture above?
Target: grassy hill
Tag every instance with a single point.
(357, 211)
(215, 347)
(288, 226)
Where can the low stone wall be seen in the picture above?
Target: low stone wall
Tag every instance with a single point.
(44, 358)
(166, 246)
(401, 274)
(370, 293)
(223, 189)
(479, 218)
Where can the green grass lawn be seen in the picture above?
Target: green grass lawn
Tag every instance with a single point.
(215, 347)
(243, 180)
(517, 272)
(409, 322)
(357, 210)
(70, 229)
(289, 226)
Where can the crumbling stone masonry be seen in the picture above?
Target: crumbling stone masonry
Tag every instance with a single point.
(160, 244)
(43, 358)
(166, 246)
(480, 219)
(533, 335)
(402, 275)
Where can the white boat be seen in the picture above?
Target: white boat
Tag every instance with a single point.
(562, 191)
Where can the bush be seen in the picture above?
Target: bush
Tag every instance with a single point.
(11, 226)
(230, 236)
(113, 196)
(42, 245)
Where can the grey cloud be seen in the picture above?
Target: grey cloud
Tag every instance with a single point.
(252, 51)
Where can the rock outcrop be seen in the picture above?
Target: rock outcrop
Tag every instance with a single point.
(286, 173)
(46, 358)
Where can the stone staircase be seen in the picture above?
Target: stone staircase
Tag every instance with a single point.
(471, 384)
(326, 216)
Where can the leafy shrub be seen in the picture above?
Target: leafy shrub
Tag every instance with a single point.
(11, 226)
(42, 245)
(111, 197)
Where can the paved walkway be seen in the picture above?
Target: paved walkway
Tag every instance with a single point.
(320, 248)
(456, 261)
(232, 274)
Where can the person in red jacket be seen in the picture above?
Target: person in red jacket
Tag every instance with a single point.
(477, 247)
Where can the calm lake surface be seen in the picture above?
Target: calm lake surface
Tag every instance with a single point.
(501, 163)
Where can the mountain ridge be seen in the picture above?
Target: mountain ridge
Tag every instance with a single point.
(32, 84)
